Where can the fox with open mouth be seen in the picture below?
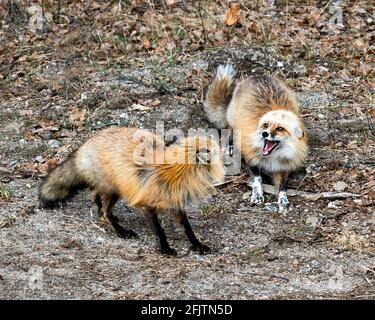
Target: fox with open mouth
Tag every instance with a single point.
(265, 115)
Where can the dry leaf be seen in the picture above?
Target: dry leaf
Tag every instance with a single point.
(232, 16)
(139, 107)
(360, 43)
(149, 18)
(77, 117)
(51, 163)
(155, 103)
(365, 68)
(254, 27)
(146, 42)
(219, 36)
(172, 2)
(5, 223)
(22, 59)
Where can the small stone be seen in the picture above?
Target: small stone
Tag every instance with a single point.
(59, 110)
(300, 70)
(320, 116)
(334, 204)
(340, 186)
(322, 70)
(316, 264)
(280, 64)
(331, 205)
(84, 96)
(39, 159)
(22, 142)
(47, 135)
(99, 239)
(272, 207)
(54, 143)
(246, 195)
(313, 221)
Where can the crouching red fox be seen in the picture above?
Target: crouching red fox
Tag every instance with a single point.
(268, 125)
(114, 164)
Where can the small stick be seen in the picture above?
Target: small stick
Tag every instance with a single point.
(200, 16)
(231, 180)
(368, 269)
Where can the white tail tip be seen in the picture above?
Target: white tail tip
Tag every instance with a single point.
(226, 71)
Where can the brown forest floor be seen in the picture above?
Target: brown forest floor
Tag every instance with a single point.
(67, 72)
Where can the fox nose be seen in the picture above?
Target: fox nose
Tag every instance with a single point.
(265, 134)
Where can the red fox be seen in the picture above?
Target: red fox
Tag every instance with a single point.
(266, 117)
(123, 163)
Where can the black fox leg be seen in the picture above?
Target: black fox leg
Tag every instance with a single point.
(231, 144)
(256, 185)
(157, 229)
(108, 201)
(196, 245)
(280, 182)
(95, 197)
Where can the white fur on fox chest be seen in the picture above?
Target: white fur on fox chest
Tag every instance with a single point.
(271, 164)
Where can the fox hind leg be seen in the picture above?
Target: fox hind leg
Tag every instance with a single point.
(95, 198)
(105, 204)
(152, 219)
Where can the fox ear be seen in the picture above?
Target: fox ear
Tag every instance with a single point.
(298, 131)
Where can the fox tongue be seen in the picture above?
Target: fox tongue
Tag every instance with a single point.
(268, 146)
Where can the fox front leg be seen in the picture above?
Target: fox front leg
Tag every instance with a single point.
(196, 245)
(256, 185)
(280, 180)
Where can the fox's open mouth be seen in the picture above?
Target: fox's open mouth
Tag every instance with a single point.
(269, 146)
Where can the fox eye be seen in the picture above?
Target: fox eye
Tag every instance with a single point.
(265, 126)
(280, 129)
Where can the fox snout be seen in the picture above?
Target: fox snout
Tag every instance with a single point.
(269, 135)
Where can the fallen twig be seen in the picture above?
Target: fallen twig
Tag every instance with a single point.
(295, 192)
(311, 195)
(368, 269)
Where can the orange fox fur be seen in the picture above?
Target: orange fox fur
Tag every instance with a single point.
(123, 162)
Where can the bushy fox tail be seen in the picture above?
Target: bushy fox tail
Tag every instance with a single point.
(62, 182)
(219, 95)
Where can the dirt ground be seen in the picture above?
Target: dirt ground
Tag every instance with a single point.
(65, 80)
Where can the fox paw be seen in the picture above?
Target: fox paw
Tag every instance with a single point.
(126, 234)
(257, 198)
(201, 248)
(283, 202)
(168, 251)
